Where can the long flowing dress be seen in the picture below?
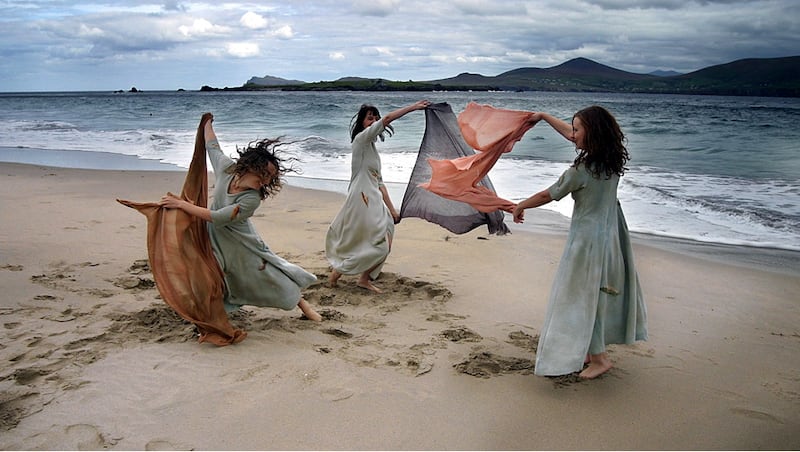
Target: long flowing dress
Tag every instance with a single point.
(254, 275)
(595, 298)
(358, 237)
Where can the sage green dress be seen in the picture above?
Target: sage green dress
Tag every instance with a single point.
(595, 299)
(358, 237)
(254, 275)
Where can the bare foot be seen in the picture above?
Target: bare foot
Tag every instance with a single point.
(308, 311)
(333, 278)
(598, 365)
(368, 285)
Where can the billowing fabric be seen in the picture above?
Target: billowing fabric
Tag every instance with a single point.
(487, 129)
(254, 275)
(443, 141)
(596, 298)
(358, 237)
(185, 270)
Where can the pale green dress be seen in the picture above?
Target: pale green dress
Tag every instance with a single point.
(254, 275)
(596, 298)
(358, 237)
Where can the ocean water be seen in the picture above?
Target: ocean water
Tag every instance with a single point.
(706, 168)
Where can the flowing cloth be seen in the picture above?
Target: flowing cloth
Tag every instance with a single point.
(443, 140)
(187, 274)
(492, 131)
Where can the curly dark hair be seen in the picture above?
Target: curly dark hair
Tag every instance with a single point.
(357, 121)
(605, 151)
(256, 158)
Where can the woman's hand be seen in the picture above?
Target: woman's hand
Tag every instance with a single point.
(170, 201)
(519, 214)
(535, 117)
(422, 104)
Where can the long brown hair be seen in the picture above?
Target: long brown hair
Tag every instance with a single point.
(256, 158)
(357, 121)
(604, 143)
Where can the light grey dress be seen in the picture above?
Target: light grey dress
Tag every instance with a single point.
(596, 298)
(357, 239)
(254, 275)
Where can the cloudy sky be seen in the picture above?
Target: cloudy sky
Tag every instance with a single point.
(72, 45)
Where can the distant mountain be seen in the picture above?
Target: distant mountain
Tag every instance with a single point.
(579, 74)
(747, 77)
(269, 80)
(665, 73)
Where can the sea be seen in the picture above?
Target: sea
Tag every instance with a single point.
(707, 169)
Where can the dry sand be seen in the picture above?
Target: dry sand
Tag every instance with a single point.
(93, 359)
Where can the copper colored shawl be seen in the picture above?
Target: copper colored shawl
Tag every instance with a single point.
(186, 272)
(492, 131)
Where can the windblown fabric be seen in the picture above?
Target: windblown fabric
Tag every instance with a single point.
(187, 274)
(438, 199)
(493, 132)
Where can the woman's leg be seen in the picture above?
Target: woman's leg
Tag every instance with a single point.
(365, 280)
(598, 359)
(333, 278)
(308, 311)
(598, 365)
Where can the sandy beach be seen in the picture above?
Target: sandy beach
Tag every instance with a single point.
(443, 360)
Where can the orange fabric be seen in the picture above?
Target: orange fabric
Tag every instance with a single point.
(492, 132)
(187, 274)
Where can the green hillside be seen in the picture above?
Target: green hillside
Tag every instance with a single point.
(747, 77)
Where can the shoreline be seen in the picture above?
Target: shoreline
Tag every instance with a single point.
(442, 360)
(781, 260)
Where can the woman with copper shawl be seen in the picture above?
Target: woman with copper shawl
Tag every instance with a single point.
(254, 275)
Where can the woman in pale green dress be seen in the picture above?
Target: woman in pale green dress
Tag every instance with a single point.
(360, 236)
(254, 275)
(596, 298)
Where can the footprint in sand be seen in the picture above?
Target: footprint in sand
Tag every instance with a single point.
(337, 394)
(461, 334)
(162, 444)
(487, 364)
(756, 414)
(336, 332)
(71, 437)
(524, 340)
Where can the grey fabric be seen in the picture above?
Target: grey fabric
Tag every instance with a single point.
(443, 141)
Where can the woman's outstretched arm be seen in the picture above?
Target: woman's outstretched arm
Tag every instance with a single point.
(560, 126)
(539, 199)
(400, 112)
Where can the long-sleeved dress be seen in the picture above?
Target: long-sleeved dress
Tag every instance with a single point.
(358, 237)
(595, 299)
(254, 275)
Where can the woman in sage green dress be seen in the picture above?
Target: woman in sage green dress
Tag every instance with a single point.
(254, 275)
(595, 299)
(360, 236)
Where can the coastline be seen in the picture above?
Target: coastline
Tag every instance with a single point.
(442, 360)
